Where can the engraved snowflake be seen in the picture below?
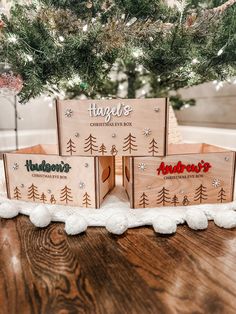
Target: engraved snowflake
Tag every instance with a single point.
(68, 113)
(81, 185)
(142, 166)
(147, 131)
(216, 183)
(15, 166)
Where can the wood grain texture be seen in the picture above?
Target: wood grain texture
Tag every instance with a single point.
(121, 135)
(45, 271)
(58, 186)
(152, 187)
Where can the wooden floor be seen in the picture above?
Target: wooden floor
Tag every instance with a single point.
(46, 271)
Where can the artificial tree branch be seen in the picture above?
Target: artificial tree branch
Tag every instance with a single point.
(193, 20)
(220, 9)
(77, 56)
(199, 22)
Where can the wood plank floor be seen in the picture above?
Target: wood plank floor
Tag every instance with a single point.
(46, 271)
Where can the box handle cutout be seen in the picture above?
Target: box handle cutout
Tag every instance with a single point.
(127, 173)
(106, 174)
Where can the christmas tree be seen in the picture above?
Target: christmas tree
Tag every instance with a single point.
(102, 149)
(143, 202)
(163, 196)
(43, 198)
(33, 192)
(129, 143)
(66, 195)
(17, 193)
(70, 147)
(153, 148)
(221, 196)
(82, 47)
(86, 200)
(90, 144)
(200, 194)
(175, 200)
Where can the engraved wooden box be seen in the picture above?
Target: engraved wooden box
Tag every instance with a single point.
(38, 174)
(191, 174)
(127, 127)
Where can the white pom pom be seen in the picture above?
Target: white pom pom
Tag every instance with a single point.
(9, 210)
(117, 224)
(196, 219)
(75, 224)
(40, 216)
(164, 225)
(226, 219)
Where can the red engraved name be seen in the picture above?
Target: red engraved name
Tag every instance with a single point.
(202, 166)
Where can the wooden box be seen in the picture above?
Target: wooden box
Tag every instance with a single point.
(127, 127)
(38, 174)
(191, 174)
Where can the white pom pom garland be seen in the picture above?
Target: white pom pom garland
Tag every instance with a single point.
(164, 225)
(196, 219)
(40, 216)
(118, 219)
(226, 219)
(75, 224)
(9, 210)
(117, 224)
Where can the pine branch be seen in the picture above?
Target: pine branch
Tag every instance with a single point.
(222, 8)
(51, 43)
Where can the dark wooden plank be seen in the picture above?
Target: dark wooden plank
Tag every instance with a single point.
(40, 273)
(45, 271)
(191, 272)
(113, 278)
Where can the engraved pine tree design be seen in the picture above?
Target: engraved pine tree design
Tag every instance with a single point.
(102, 149)
(221, 196)
(153, 148)
(52, 199)
(175, 200)
(200, 194)
(90, 144)
(33, 192)
(17, 193)
(163, 196)
(43, 198)
(129, 143)
(70, 148)
(86, 200)
(143, 202)
(66, 195)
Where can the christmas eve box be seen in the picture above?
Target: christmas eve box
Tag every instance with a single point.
(38, 174)
(191, 174)
(127, 127)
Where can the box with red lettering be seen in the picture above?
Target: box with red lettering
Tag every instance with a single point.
(191, 174)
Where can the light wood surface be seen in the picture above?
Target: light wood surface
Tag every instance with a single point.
(153, 189)
(123, 136)
(106, 176)
(87, 182)
(128, 178)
